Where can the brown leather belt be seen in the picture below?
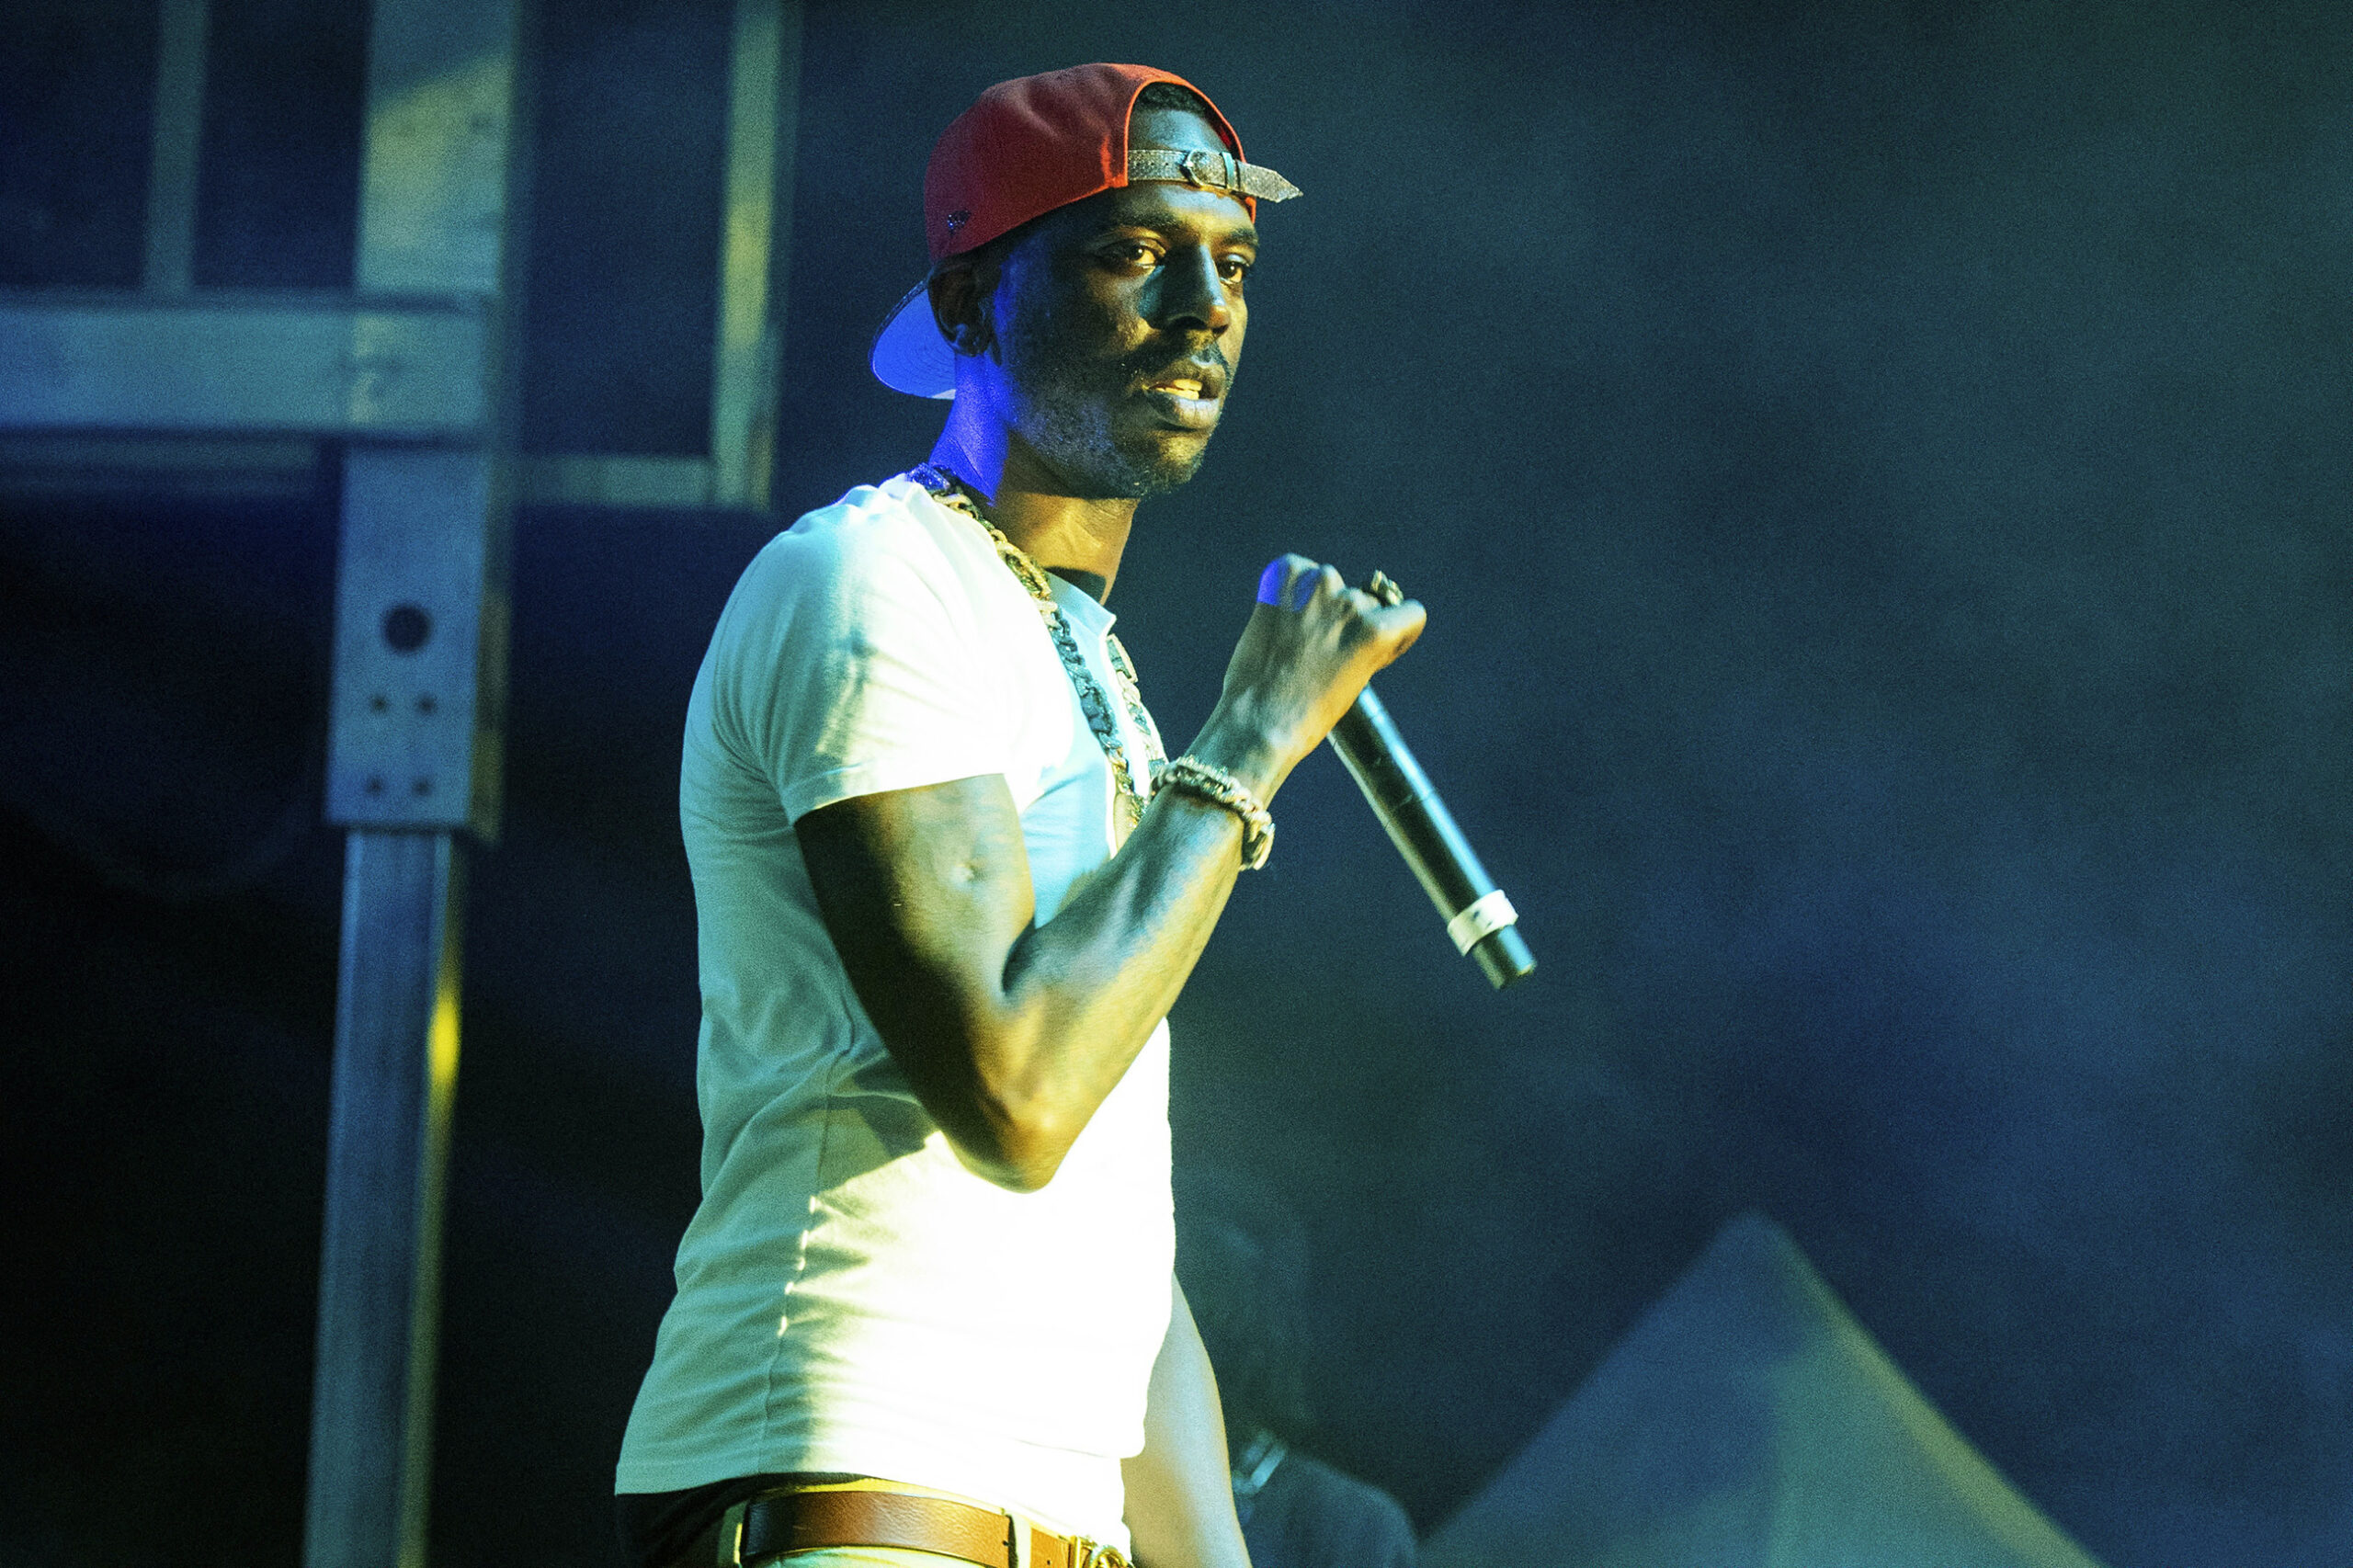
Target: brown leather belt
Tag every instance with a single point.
(797, 1520)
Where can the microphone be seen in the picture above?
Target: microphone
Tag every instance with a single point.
(1478, 917)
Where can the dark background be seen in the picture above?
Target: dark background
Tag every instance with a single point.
(1879, 476)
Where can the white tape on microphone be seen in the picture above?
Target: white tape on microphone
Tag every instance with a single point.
(1481, 918)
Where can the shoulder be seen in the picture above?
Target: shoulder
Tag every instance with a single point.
(883, 558)
(891, 530)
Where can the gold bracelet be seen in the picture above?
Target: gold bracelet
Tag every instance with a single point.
(1218, 787)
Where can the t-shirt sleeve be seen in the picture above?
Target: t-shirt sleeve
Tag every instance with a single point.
(848, 662)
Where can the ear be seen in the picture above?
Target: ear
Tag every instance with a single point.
(961, 308)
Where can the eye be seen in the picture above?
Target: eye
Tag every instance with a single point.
(1234, 268)
(1133, 254)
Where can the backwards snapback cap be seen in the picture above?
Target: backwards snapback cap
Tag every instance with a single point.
(1025, 148)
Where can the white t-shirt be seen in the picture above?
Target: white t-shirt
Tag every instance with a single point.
(851, 1298)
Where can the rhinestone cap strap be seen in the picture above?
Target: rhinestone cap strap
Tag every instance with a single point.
(1210, 171)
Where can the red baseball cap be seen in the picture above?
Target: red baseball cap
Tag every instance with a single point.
(1025, 148)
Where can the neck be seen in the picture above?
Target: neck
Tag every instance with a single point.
(1078, 537)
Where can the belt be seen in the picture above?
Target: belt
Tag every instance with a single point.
(790, 1520)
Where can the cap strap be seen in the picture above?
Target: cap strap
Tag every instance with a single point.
(1217, 171)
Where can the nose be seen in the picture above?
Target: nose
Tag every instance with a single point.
(1193, 295)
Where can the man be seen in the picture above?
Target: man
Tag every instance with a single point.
(946, 891)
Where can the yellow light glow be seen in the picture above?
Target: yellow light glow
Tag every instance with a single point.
(441, 1039)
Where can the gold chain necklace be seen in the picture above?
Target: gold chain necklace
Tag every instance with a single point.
(1134, 792)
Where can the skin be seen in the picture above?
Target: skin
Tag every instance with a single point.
(1102, 297)
(1012, 1033)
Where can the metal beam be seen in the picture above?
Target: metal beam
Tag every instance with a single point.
(419, 355)
(176, 143)
(413, 749)
(620, 481)
(248, 466)
(764, 85)
(259, 365)
(419, 639)
(435, 169)
(388, 1143)
(177, 139)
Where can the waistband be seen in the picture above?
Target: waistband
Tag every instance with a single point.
(787, 1519)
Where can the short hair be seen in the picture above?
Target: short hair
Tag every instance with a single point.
(1174, 96)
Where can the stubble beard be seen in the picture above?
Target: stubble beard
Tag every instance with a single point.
(1065, 404)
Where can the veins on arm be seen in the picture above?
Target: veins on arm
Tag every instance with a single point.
(1011, 1033)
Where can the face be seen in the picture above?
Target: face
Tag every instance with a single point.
(1116, 326)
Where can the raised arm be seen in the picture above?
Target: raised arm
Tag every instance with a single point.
(1011, 1033)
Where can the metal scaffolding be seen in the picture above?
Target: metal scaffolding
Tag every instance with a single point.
(413, 373)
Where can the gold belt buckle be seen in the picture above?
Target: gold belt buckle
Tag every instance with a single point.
(1086, 1553)
(731, 1536)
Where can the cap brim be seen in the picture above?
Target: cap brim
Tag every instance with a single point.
(910, 355)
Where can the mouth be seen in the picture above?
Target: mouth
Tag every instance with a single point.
(1188, 396)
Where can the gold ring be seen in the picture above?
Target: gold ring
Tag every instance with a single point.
(1384, 588)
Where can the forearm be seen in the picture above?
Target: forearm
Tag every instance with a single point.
(1181, 1494)
(1082, 992)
